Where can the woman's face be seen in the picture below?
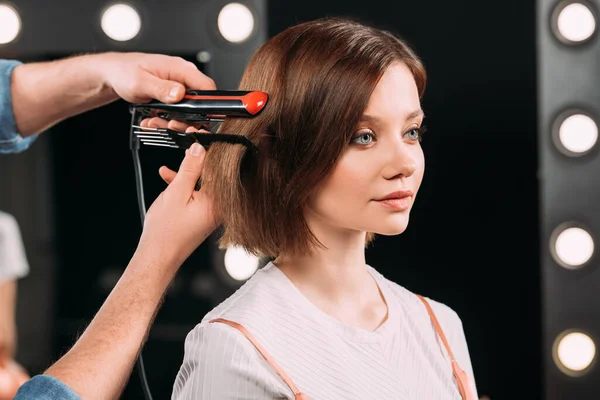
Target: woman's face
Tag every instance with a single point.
(383, 160)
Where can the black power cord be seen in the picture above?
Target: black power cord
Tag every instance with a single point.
(134, 145)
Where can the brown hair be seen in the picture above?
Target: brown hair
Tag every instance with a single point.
(319, 76)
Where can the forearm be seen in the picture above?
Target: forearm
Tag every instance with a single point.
(99, 364)
(46, 93)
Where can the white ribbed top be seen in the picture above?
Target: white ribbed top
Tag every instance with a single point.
(326, 359)
(13, 261)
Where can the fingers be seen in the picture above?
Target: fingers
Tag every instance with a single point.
(167, 174)
(172, 124)
(139, 77)
(188, 74)
(12, 376)
(179, 75)
(156, 123)
(182, 126)
(189, 172)
(6, 385)
(164, 90)
(191, 129)
(19, 374)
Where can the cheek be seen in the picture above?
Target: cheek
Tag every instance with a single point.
(348, 183)
(352, 176)
(420, 170)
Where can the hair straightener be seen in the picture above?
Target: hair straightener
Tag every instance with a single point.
(197, 107)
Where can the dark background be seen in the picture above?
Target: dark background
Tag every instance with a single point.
(473, 240)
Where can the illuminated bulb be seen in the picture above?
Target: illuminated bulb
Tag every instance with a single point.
(121, 22)
(574, 247)
(576, 22)
(10, 24)
(239, 264)
(235, 22)
(578, 133)
(575, 352)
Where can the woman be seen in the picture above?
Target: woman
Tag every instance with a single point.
(340, 160)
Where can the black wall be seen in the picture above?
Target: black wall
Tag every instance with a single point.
(473, 238)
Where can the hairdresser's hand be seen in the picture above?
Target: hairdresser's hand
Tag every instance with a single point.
(12, 376)
(172, 124)
(167, 174)
(140, 77)
(180, 219)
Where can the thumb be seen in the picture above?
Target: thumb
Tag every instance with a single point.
(167, 174)
(189, 171)
(164, 90)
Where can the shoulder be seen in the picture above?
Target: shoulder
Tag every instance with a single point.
(256, 304)
(218, 358)
(449, 320)
(207, 337)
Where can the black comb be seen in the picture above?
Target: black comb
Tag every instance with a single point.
(178, 140)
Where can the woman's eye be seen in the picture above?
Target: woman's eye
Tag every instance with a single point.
(363, 138)
(414, 134)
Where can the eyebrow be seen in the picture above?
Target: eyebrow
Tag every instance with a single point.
(412, 115)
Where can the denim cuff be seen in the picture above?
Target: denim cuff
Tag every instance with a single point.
(44, 387)
(10, 140)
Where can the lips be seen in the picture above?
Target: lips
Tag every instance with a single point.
(397, 201)
(400, 194)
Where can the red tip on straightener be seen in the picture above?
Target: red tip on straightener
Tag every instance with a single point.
(253, 102)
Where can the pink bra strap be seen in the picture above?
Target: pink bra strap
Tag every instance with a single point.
(462, 380)
(266, 356)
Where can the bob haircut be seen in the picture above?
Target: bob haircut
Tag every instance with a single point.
(319, 76)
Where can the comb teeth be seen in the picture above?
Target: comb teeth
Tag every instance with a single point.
(158, 141)
(160, 144)
(155, 139)
(151, 134)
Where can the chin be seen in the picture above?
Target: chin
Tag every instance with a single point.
(389, 231)
(391, 227)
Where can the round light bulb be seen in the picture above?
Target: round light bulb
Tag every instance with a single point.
(574, 352)
(235, 22)
(578, 133)
(10, 24)
(576, 22)
(573, 247)
(121, 22)
(239, 264)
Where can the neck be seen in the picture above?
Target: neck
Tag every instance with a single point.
(335, 278)
(335, 273)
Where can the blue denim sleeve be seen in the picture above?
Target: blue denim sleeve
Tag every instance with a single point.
(10, 140)
(44, 387)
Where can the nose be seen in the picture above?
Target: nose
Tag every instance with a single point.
(401, 160)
